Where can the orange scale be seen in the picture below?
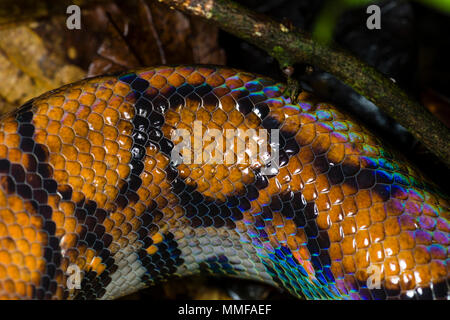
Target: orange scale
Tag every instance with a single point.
(234, 82)
(195, 78)
(335, 233)
(362, 239)
(228, 104)
(421, 255)
(95, 121)
(99, 182)
(154, 191)
(76, 182)
(221, 91)
(308, 174)
(55, 100)
(348, 245)
(215, 80)
(15, 231)
(53, 127)
(171, 118)
(81, 262)
(12, 140)
(321, 144)
(70, 107)
(162, 160)
(143, 194)
(175, 79)
(203, 185)
(362, 261)
(124, 156)
(349, 226)
(336, 269)
(15, 204)
(362, 198)
(73, 168)
(158, 175)
(5, 259)
(89, 190)
(3, 229)
(73, 92)
(127, 111)
(164, 71)
(89, 255)
(98, 153)
(377, 232)
(205, 116)
(336, 153)
(55, 113)
(103, 93)
(337, 197)
(283, 176)
(126, 229)
(292, 123)
(61, 176)
(10, 125)
(68, 207)
(39, 137)
(99, 168)
(161, 201)
(81, 128)
(147, 75)
(391, 267)
(54, 143)
(67, 135)
(79, 145)
(125, 142)
(438, 270)
(363, 219)
(121, 89)
(118, 218)
(323, 202)
(377, 212)
(82, 112)
(324, 220)
(422, 275)
(206, 71)
(112, 148)
(322, 183)
(129, 213)
(406, 240)
(235, 118)
(7, 216)
(309, 192)
(306, 134)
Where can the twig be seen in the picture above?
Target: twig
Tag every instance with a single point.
(290, 46)
(149, 16)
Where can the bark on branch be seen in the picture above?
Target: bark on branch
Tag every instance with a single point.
(294, 46)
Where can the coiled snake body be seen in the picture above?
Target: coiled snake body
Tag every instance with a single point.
(87, 185)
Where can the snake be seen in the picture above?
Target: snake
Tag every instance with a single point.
(102, 193)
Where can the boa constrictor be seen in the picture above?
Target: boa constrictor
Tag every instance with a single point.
(88, 190)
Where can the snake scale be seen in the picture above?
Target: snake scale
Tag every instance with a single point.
(87, 185)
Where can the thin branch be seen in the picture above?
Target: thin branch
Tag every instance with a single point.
(290, 46)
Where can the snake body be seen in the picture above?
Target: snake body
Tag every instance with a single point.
(88, 188)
